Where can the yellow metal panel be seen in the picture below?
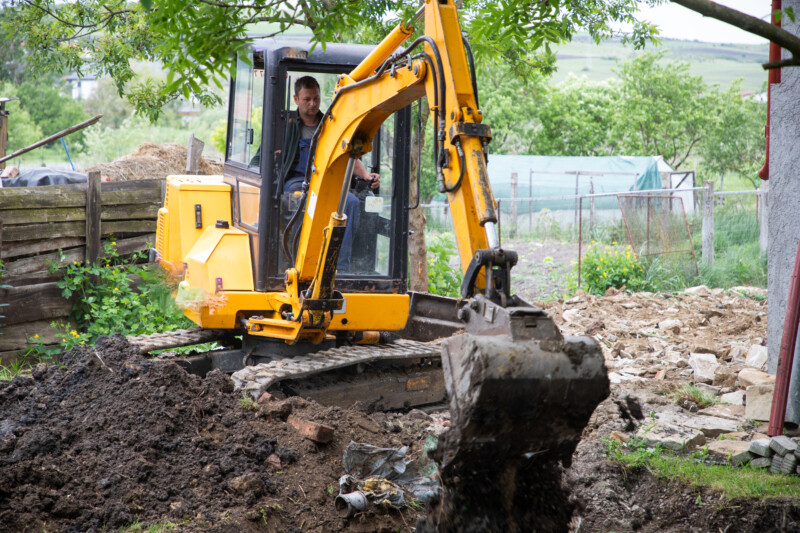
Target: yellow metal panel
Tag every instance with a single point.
(222, 315)
(366, 311)
(224, 254)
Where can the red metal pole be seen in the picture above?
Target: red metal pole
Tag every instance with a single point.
(777, 414)
(774, 76)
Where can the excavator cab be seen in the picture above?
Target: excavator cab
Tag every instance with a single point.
(260, 107)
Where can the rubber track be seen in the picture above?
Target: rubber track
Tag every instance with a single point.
(173, 339)
(258, 378)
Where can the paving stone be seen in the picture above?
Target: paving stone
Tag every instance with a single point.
(761, 462)
(739, 435)
(710, 426)
(784, 465)
(757, 356)
(758, 402)
(761, 447)
(669, 436)
(704, 366)
(777, 462)
(735, 451)
(751, 376)
(733, 398)
(782, 445)
(731, 412)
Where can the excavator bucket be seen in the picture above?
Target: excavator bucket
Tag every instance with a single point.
(520, 396)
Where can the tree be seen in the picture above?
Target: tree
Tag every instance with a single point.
(734, 142)
(196, 40)
(662, 109)
(576, 118)
(22, 130)
(52, 110)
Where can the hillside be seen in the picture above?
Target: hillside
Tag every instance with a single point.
(717, 63)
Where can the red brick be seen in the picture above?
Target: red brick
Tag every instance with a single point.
(312, 430)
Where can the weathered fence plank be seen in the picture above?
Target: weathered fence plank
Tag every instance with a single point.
(16, 337)
(42, 197)
(93, 208)
(10, 250)
(49, 303)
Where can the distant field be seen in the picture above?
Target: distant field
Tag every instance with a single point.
(717, 63)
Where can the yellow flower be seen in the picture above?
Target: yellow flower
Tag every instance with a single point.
(83, 342)
(36, 336)
(73, 332)
(114, 243)
(116, 289)
(613, 243)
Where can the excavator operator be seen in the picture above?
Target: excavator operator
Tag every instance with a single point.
(301, 127)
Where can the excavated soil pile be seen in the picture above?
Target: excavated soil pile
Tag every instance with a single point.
(153, 161)
(107, 439)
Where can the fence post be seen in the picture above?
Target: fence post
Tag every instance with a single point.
(708, 223)
(666, 207)
(591, 207)
(763, 228)
(513, 230)
(93, 206)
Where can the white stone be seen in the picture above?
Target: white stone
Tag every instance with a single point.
(673, 325)
(734, 450)
(751, 376)
(733, 398)
(757, 356)
(710, 426)
(723, 410)
(704, 366)
(759, 402)
(674, 437)
(700, 290)
(738, 352)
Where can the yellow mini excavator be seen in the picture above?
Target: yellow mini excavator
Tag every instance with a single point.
(259, 267)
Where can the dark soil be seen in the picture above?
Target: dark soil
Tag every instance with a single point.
(107, 439)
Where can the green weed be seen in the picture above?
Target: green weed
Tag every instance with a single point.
(247, 403)
(611, 266)
(695, 395)
(731, 482)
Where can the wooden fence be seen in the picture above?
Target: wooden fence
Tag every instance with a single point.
(37, 222)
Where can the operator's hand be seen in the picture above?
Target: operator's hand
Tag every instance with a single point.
(374, 180)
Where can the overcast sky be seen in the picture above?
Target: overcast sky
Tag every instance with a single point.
(677, 22)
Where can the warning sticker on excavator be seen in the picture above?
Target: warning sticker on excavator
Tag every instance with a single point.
(373, 204)
(312, 204)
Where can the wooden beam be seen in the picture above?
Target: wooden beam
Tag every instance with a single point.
(54, 137)
(193, 154)
(93, 207)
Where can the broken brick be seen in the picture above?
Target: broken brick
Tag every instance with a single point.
(312, 430)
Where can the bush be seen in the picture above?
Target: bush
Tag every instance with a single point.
(609, 266)
(109, 299)
(443, 278)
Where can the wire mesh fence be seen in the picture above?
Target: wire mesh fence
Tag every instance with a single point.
(668, 225)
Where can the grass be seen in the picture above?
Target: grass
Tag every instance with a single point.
(10, 371)
(731, 482)
(696, 395)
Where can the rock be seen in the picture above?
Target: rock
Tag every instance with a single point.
(672, 325)
(737, 353)
(366, 423)
(761, 448)
(757, 356)
(784, 465)
(418, 414)
(733, 450)
(619, 436)
(39, 371)
(673, 437)
(673, 356)
(731, 412)
(733, 398)
(710, 426)
(751, 376)
(739, 435)
(704, 348)
(710, 389)
(724, 377)
(704, 366)
(175, 506)
(266, 397)
(758, 402)
(782, 445)
(661, 374)
(250, 482)
(700, 290)
(761, 462)
(274, 460)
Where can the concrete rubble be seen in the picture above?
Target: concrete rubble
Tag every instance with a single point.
(713, 340)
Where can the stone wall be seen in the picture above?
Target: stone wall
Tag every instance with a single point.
(784, 207)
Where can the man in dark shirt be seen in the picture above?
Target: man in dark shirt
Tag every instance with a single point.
(301, 127)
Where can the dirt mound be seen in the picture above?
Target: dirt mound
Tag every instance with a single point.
(153, 161)
(108, 438)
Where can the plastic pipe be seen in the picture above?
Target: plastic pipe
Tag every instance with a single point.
(777, 414)
(774, 76)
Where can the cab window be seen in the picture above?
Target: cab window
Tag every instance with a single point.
(248, 106)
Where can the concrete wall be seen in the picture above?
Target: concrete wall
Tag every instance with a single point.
(784, 208)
